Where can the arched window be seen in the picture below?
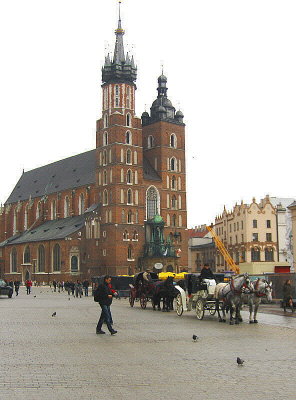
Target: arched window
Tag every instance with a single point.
(105, 177)
(38, 210)
(27, 255)
(123, 216)
(174, 220)
(125, 235)
(116, 95)
(53, 210)
(14, 221)
(130, 253)
(13, 260)
(128, 119)
(66, 207)
(129, 196)
(74, 264)
(129, 177)
(41, 259)
(174, 202)
(174, 187)
(173, 164)
(150, 141)
(105, 139)
(105, 157)
(173, 141)
(128, 156)
(269, 254)
(105, 197)
(56, 258)
(128, 137)
(152, 202)
(255, 254)
(81, 204)
(129, 217)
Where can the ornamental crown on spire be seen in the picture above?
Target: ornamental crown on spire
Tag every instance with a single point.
(122, 68)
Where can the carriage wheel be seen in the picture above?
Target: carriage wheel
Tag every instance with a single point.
(131, 300)
(179, 305)
(212, 309)
(200, 310)
(143, 301)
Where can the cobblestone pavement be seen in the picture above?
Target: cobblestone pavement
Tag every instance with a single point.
(153, 355)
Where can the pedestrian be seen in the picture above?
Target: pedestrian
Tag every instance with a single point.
(28, 284)
(103, 295)
(85, 287)
(54, 286)
(16, 287)
(287, 295)
(78, 289)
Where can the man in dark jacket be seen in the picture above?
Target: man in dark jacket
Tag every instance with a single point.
(103, 295)
(206, 272)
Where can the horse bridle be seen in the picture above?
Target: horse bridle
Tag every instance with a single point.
(257, 292)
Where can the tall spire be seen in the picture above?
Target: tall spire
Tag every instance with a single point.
(122, 68)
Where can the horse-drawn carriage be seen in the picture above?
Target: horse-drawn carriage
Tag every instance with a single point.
(142, 290)
(198, 296)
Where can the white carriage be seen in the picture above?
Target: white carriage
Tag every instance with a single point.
(198, 296)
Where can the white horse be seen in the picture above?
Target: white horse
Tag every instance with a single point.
(258, 289)
(231, 296)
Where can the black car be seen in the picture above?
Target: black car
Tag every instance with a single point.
(5, 290)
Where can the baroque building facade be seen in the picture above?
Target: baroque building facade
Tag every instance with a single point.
(116, 209)
(250, 232)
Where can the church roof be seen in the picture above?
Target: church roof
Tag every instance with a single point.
(50, 230)
(70, 173)
(65, 174)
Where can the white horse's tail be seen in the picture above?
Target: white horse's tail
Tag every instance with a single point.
(219, 287)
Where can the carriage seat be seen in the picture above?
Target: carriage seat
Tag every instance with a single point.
(211, 284)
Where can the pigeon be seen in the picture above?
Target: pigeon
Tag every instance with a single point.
(194, 338)
(239, 361)
(54, 314)
(69, 298)
(34, 296)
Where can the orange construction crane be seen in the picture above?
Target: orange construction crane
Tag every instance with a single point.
(223, 251)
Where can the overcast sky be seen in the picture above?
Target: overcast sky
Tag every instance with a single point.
(231, 68)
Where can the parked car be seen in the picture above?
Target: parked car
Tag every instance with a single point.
(5, 290)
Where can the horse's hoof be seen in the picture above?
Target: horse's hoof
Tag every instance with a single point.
(255, 321)
(251, 322)
(236, 322)
(240, 319)
(223, 320)
(231, 323)
(220, 320)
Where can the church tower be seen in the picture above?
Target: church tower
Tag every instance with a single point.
(119, 174)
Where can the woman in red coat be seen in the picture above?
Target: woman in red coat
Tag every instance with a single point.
(28, 284)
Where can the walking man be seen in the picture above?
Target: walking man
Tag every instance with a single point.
(103, 295)
(16, 287)
(85, 286)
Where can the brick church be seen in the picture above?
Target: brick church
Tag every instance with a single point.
(116, 209)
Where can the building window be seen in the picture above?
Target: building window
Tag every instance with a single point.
(255, 254)
(152, 202)
(123, 216)
(173, 164)
(128, 156)
(234, 227)
(104, 252)
(129, 196)
(66, 207)
(13, 260)
(129, 177)
(128, 137)
(105, 139)
(229, 227)
(105, 157)
(135, 236)
(81, 204)
(105, 197)
(243, 256)
(26, 218)
(174, 220)
(174, 183)
(150, 141)
(173, 141)
(74, 264)
(255, 237)
(27, 255)
(125, 235)
(106, 121)
(269, 254)
(268, 237)
(130, 253)
(105, 177)
(56, 258)
(129, 217)
(53, 210)
(38, 210)
(268, 223)
(41, 259)
(174, 202)
(128, 119)
(242, 237)
(254, 223)
(242, 224)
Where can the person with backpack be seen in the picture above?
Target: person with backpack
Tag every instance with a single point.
(103, 295)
